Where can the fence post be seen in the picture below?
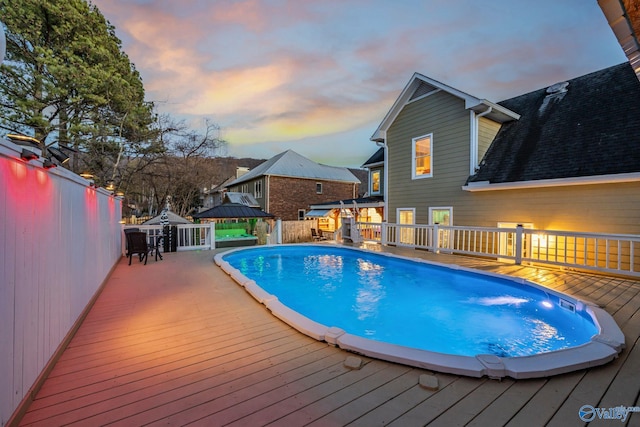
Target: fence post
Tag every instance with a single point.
(278, 231)
(519, 233)
(383, 233)
(436, 238)
(212, 235)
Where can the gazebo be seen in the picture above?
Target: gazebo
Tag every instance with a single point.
(237, 224)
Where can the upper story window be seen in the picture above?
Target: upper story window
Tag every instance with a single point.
(257, 189)
(421, 156)
(375, 182)
(318, 188)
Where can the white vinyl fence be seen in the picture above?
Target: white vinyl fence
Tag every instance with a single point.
(609, 253)
(59, 239)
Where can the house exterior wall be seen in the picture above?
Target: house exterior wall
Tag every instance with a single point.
(288, 195)
(487, 131)
(284, 196)
(250, 187)
(444, 116)
(603, 208)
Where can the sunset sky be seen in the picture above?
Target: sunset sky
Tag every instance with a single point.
(318, 76)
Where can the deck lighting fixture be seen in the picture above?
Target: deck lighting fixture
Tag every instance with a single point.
(23, 140)
(86, 175)
(48, 164)
(110, 185)
(28, 155)
(58, 155)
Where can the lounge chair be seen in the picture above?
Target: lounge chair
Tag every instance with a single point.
(137, 244)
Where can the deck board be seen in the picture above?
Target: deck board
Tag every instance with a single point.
(465, 410)
(177, 342)
(446, 397)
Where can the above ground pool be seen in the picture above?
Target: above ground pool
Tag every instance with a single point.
(434, 316)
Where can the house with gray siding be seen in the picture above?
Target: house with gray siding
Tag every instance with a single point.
(564, 157)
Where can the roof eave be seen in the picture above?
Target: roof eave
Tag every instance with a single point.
(373, 165)
(498, 113)
(624, 24)
(558, 182)
(312, 178)
(379, 204)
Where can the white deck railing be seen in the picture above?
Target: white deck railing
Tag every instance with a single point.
(189, 236)
(610, 253)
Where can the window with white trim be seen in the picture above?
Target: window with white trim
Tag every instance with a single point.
(301, 213)
(375, 182)
(421, 157)
(257, 189)
(318, 188)
(406, 217)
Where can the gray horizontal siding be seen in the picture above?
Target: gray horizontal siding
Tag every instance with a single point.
(613, 208)
(445, 117)
(487, 131)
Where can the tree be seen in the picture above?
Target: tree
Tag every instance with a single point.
(66, 76)
(183, 169)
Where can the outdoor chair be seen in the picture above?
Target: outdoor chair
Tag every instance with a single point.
(126, 241)
(317, 234)
(155, 247)
(137, 244)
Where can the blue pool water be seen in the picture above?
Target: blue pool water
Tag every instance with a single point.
(416, 304)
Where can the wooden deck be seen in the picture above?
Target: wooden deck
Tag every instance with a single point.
(177, 342)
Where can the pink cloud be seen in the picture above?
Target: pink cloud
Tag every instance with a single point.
(303, 69)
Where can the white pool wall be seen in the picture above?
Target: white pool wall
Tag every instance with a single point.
(603, 347)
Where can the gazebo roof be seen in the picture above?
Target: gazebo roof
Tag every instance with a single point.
(233, 210)
(173, 219)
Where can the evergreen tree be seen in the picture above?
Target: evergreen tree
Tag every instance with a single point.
(66, 78)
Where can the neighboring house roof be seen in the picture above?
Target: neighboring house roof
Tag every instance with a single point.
(421, 85)
(589, 127)
(241, 198)
(173, 219)
(291, 164)
(233, 210)
(222, 187)
(375, 160)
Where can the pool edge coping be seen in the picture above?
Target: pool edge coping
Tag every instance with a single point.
(603, 347)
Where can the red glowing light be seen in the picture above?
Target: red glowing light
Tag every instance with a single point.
(41, 176)
(19, 169)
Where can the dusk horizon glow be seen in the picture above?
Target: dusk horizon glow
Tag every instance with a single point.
(319, 77)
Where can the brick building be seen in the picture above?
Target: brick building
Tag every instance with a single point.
(288, 184)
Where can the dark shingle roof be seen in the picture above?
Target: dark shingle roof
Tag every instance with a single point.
(377, 157)
(592, 129)
(233, 210)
